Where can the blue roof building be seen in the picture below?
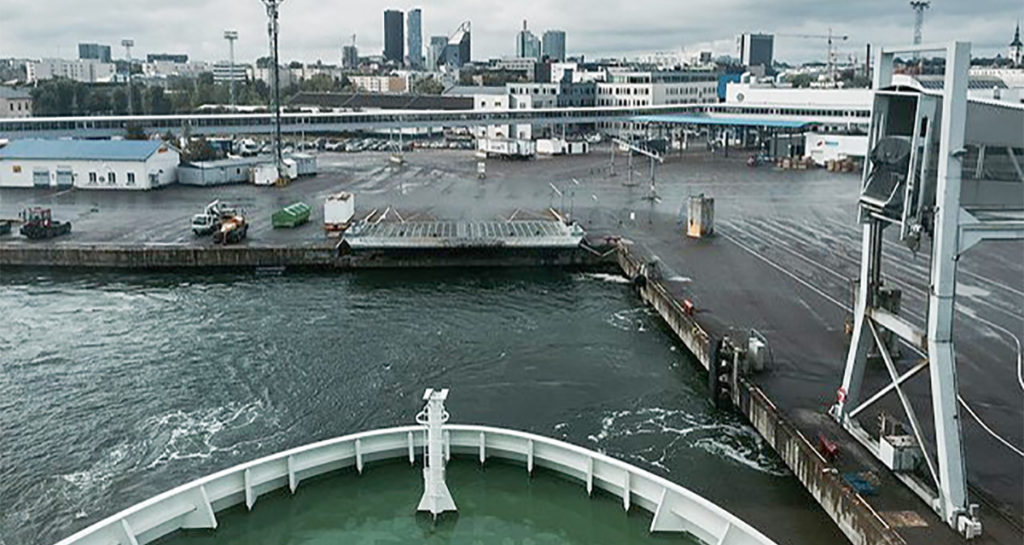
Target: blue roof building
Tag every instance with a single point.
(88, 164)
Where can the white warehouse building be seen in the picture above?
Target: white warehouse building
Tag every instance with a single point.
(88, 164)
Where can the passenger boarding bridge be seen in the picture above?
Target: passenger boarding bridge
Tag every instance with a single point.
(847, 117)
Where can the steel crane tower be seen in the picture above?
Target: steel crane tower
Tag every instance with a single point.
(272, 31)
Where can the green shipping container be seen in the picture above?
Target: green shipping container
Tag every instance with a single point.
(293, 215)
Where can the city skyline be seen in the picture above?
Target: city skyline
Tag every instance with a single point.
(54, 28)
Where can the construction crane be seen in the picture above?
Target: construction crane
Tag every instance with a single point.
(831, 39)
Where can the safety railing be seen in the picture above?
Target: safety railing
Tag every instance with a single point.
(196, 504)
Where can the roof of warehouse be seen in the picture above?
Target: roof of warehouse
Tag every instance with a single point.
(685, 119)
(105, 150)
(11, 93)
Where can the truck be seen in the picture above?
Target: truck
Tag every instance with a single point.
(338, 211)
(38, 224)
(232, 229)
(211, 218)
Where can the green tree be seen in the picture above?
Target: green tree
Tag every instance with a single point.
(198, 149)
(135, 132)
(428, 86)
(156, 102)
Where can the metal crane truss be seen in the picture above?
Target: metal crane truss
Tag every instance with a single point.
(411, 235)
(852, 115)
(948, 170)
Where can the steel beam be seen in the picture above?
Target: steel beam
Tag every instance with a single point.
(949, 445)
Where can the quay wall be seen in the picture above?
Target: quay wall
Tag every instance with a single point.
(854, 516)
(304, 257)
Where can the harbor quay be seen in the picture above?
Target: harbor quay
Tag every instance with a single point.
(778, 268)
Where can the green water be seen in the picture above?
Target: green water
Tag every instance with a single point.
(498, 504)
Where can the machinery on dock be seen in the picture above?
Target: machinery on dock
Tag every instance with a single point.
(232, 229)
(210, 220)
(38, 224)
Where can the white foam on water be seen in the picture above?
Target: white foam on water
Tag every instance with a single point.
(190, 435)
(631, 319)
(672, 429)
(604, 277)
(678, 278)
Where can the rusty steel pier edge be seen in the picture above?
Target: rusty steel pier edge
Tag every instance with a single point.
(854, 516)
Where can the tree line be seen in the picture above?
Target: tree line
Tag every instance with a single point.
(65, 97)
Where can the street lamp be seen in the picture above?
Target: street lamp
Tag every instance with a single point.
(128, 45)
(231, 36)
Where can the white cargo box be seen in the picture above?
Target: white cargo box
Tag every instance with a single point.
(339, 210)
(263, 174)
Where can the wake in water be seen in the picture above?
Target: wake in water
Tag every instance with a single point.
(655, 436)
(604, 277)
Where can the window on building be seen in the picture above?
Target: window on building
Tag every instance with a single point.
(111, 178)
(130, 178)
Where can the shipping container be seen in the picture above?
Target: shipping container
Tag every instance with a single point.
(700, 216)
(338, 211)
(305, 164)
(293, 215)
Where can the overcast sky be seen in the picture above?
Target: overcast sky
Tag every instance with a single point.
(316, 29)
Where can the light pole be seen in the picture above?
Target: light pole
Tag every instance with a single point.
(231, 36)
(272, 28)
(128, 45)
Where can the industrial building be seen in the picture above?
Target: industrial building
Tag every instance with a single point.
(88, 164)
(15, 102)
(380, 84)
(225, 72)
(80, 70)
(178, 58)
(394, 36)
(219, 172)
(94, 51)
(415, 45)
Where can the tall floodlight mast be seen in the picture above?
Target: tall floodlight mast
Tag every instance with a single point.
(128, 45)
(919, 6)
(231, 36)
(272, 8)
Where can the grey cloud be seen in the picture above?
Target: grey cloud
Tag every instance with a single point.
(315, 29)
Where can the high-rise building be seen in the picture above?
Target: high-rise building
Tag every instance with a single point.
(350, 57)
(527, 45)
(415, 29)
(756, 49)
(394, 36)
(437, 47)
(553, 45)
(94, 51)
(459, 50)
